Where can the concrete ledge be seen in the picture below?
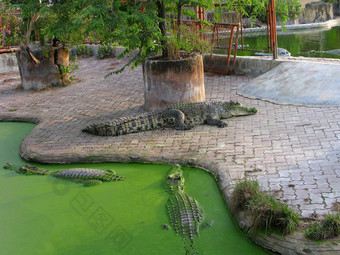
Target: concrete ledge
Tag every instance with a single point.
(250, 65)
(295, 27)
(258, 65)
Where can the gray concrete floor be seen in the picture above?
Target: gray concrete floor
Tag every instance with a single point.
(293, 151)
(303, 83)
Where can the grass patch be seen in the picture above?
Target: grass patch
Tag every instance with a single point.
(326, 229)
(267, 212)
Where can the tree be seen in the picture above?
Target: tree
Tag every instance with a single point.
(143, 25)
(150, 26)
(52, 19)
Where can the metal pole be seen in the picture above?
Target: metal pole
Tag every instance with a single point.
(230, 47)
(268, 28)
(273, 27)
(235, 50)
(212, 48)
(241, 25)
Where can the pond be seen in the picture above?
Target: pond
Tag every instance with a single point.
(301, 43)
(45, 215)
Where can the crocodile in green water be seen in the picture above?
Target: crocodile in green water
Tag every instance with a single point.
(87, 176)
(185, 213)
(180, 116)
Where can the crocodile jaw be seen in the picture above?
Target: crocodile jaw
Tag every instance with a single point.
(240, 110)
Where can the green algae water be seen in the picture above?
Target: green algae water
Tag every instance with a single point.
(46, 215)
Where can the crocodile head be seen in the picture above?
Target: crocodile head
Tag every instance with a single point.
(175, 179)
(235, 109)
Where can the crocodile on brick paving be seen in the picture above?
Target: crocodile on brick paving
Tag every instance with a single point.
(89, 177)
(180, 116)
(185, 213)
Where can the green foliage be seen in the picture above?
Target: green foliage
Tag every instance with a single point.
(53, 19)
(84, 50)
(66, 71)
(245, 191)
(11, 27)
(326, 229)
(267, 212)
(270, 213)
(135, 24)
(287, 9)
(46, 51)
(191, 40)
(104, 51)
(58, 19)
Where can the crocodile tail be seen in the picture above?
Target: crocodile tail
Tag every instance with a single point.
(126, 125)
(189, 246)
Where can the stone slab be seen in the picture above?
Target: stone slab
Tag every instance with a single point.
(297, 83)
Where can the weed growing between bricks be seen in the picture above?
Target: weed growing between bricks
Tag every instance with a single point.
(266, 212)
(326, 229)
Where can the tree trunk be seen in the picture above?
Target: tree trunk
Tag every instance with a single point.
(179, 20)
(161, 14)
(47, 73)
(173, 81)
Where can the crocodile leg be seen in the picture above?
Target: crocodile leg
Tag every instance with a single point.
(214, 120)
(179, 119)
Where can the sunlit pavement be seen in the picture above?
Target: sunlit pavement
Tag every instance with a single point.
(293, 151)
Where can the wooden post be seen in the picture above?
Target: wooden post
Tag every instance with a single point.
(273, 33)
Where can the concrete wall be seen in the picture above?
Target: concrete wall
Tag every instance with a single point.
(317, 12)
(304, 2)
(8, 63)
(249, 65)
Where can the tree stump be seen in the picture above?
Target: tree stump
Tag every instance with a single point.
(173, 81)
(47, 73)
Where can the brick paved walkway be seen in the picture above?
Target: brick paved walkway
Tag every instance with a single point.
(293, 151)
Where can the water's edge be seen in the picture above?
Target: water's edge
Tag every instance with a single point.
(34, 186)
(294, 243)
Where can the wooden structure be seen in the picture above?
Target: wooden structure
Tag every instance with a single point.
(228, 34)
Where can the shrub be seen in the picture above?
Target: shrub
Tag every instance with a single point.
(104, 51)
(267, 212)
(84, 50)
(243, 193)
(10, 26)
(328, 228)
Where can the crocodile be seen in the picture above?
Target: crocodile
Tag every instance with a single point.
(179, 116)
(185, 213)
(89, 177)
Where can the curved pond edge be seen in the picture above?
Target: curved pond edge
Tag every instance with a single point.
(257, 65)
(294, 244)
(295, 27)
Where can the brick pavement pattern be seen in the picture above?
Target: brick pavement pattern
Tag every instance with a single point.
(293, 151)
